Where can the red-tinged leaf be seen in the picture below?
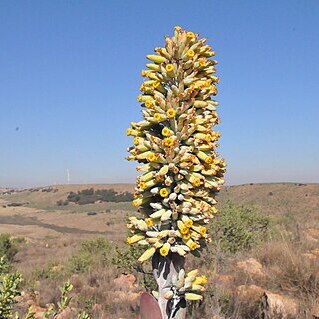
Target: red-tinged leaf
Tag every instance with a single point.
(149, 307)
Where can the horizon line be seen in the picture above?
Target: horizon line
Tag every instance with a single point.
(225, 185)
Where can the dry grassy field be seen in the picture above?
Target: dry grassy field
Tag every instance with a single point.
(285, 264)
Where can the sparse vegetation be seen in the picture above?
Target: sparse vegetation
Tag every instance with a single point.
(286, 252)
(9, 288)
(126, 260)
(238, 228)
(9, 246)
(90, 196)
(62, 202)
(91, 253)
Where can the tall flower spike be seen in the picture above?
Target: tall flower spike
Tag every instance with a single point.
(181, 173)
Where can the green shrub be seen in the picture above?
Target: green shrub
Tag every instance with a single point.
(62, 202)
(52, 271)
(73, 197)
(9, 288)
(96, 245)
(88, 199)
(110, 195)
(80, 262)
(8, 246)
(90, 196)
(91, 252)
(89, 191)
(127, 261)
(238, 228)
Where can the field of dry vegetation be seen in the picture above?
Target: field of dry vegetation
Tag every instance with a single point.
(263, 261)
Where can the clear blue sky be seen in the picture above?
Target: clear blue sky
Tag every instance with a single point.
(70, 73)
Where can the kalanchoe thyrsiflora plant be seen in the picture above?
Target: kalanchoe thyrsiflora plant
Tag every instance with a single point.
(181, 171)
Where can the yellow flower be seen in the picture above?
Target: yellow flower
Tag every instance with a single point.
(151, 157)
(157, 117)
(156, 84)
(187, 236)
(202, 230)
(164, 192)
(213, 210)
(184, 230)
(215, 79)
(202, 62)
(189, 223)
(144, 98)
(142, 184)
(148, 104)
(168, 141)
(137, 202)
(200, 280)
(209, 160)
(136, 141)
(170, 113)
(193, 246)
(208, 82)
(166, 131)
(129, 131)
(196, 182)
(149, 222)
(169, 68)
(190, 53)
(165, 249)
(182, 227)
(204, 157)
(190, 35)
(213, 89)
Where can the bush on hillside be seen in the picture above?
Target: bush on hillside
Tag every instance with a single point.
(127, 261)
(9, 288)
(91, 252)
(8, 246)
(90, 196)
(238, 228)
(62, 202)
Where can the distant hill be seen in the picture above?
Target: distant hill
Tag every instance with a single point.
(297, 199)
(272, 198)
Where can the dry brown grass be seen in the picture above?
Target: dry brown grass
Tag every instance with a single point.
(55, 234)
(289, 268)
(278, 199)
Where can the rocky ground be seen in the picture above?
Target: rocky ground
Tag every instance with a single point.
(277, 279)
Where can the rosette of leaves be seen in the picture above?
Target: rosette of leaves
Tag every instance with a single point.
(175, 143)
